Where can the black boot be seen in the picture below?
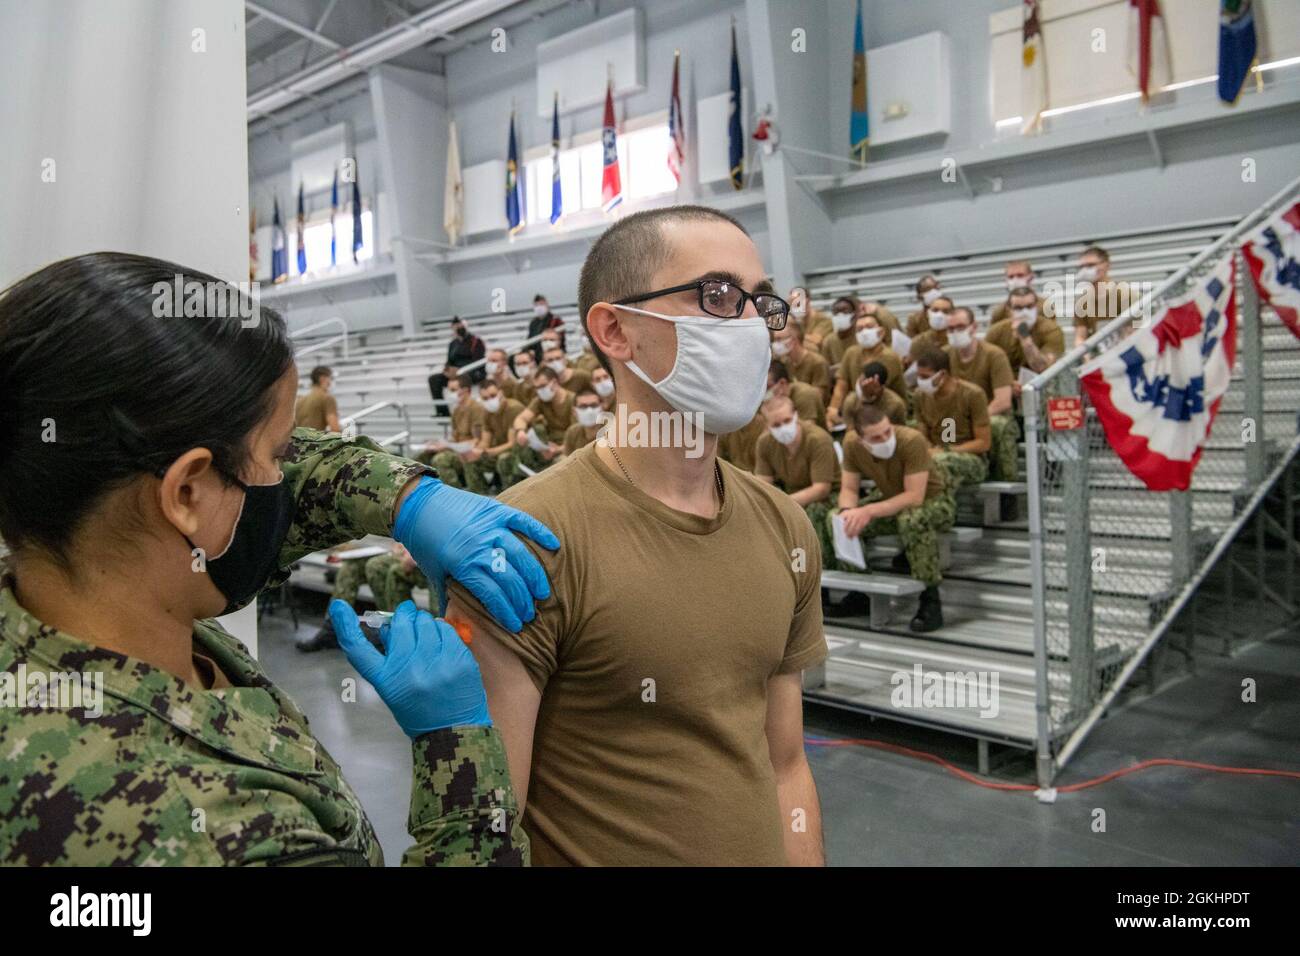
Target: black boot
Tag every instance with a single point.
(929, 615)
(324, 638)
(854, 604)
(900, 564)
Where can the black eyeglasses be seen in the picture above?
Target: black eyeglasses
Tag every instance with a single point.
(726, 300)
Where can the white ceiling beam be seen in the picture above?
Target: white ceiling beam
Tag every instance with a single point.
(288, 24)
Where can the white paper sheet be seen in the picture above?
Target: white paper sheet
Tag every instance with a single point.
(1027, 375)
(460, 447)
(909, 375)
(537, 444)
(848, 550)
(356, 554)
(900, 343)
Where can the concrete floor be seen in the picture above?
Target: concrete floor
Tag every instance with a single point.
(882, 808)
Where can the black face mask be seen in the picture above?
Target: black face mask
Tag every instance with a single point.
(252, 556)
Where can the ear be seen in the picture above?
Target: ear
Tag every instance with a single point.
(605, 325)
(182, 492)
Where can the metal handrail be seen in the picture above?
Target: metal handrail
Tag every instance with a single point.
(371, 409)
(1226, 242)
(342, 337)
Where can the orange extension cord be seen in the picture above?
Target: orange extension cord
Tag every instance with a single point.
(1030, 788)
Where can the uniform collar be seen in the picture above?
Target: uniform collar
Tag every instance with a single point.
(250, 721)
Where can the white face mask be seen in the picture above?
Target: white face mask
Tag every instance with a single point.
(1024, 315)
(491, 368)
(787, 433)
(780, 348)
(720, 371)
(961, 338)
(452, 399)
(841, 320)
(1086, 274)
(938, 320)
(928, 386)
(525, 372)
(558, 366)
(546, 392)
(1017, 282)
(869, 338)
(492, 405)
(883, 449)
(604, 388)
(588, 417)
(931, 295)
(540, 310)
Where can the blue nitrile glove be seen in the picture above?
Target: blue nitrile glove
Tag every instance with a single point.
(457, 533)
(428, 677)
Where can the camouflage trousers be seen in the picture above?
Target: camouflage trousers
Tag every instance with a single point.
(473, 476)
(918, 529)
(819, 513)
(390, 583)
(1004, 456)
(961, 469)
(508, 462)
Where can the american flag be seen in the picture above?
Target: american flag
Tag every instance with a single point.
(676, 133)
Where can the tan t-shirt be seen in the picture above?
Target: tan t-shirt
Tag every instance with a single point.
(818, 324)
(929, 339)
(1099, 303)
(918, 322)
(579, 380)
(738, 446)
(858, 358)
(812, 369)
(557, 414)
(812, 460)
(313, 409)
(576, 437)
(988, 367)
(807, 401)
(887, 400)
(496, 427)
(965, 405)
(835, 345)
(467, 421)
(710, 610)
(910, 456)
(587, 361)
(1046, 335)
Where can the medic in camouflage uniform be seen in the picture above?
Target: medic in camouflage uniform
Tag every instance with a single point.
(170, 774)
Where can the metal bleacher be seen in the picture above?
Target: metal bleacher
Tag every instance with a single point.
(987, 593)
(976, 279)
(380, 365)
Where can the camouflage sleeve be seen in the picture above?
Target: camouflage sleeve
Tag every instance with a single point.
(463, 809)
(345, 488)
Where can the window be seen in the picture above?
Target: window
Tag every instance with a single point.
(643, 172)
(316, 237)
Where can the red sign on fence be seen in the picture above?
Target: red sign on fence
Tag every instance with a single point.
(1065, 414)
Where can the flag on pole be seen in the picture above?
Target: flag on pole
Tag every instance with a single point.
(514, 191)
(302, 234)
(1033, 70)
(1273, 254)
(859, 131)
(1156, 392)
(279, 254)
(1148, 47)
(453, 190)
(252, 244)
(676, 126)
(611, 186)
(334, 212)
(557, 193)
(356, 213)
(735, 133)
(1237, 47)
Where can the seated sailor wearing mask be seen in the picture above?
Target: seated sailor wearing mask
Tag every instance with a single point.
(953, 416)
(986, 366)
(871, 347)
(799, 458)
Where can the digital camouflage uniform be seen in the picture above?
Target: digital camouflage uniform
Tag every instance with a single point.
(459, 473)
(1004, 455)
(918, 529)
(962, 469)
(172, 774)
(391, 581)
